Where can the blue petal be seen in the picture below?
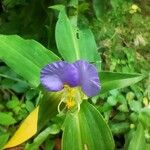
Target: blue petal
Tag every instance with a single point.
(50, 76)
(71, 75)
(55, 75)
(52, 83)
(89, 79)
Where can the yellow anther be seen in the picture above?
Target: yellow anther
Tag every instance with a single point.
(70, 103)
(69, 90)
(72, 96)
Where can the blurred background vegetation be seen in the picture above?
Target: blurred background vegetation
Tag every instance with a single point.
(122, 33)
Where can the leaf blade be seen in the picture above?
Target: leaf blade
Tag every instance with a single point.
(26, 57)
(6, 119)
(114, 80)
(80, 130)
(3, 139)
(138, 141)
(74, 43)
(66, 34)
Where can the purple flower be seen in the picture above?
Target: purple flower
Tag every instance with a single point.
(54, 76)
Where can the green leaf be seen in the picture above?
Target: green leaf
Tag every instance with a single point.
(66, 39)
(48, 108)
(123, 108)
(113, 80)
(14, 102)
(54, 129)
(20, 87)
(120, 128)
(25, 57)
(112, 100)
(144, 117)
(3, 139)
(135, 105)
(120, 117)
(99, 8)
(86, 130)
(32, 93)
(49, 144)
(6, 119)
(87, 45)
(29, 105)
(116, 3)
(73, 43)
(138, 141)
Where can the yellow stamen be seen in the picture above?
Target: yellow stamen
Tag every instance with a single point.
(72, 96)
(70, 91)
(70, 103)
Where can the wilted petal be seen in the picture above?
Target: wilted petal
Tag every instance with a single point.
(55, 75)
(89, 79)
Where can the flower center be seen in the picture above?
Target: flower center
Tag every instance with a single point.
(72, 97)
(70, 103)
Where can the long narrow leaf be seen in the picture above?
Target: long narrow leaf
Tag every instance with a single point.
(86, 130)
(74, 43)
(3, 139)
(138, 141)
(113, 80)
(26, 57)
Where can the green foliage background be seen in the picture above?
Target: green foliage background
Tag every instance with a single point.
(123, 44)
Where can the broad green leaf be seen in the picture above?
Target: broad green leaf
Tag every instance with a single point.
(3, 139)
(113, 80)
(66, 39)
(25, 57)
(74, 43)
(27, 129)
(6, 119)
(86, 130)
(138, 141)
